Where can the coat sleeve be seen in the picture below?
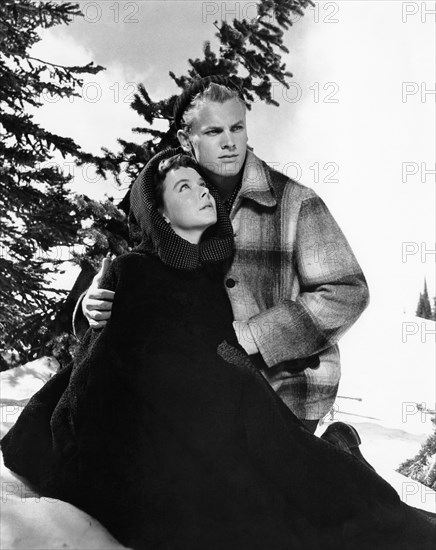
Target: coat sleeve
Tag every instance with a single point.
(79, 321)
(333, 291)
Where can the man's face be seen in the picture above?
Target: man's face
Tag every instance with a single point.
(218, 137)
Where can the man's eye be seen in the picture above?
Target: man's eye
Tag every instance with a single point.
(184, 186)
(212, 132)
(203, 184)
(237, 128)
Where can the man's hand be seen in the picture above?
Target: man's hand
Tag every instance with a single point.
(245, 337)
(97, 302)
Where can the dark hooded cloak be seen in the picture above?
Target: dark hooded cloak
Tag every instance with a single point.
(164, 431)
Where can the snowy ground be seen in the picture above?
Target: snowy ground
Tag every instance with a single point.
(388, 368)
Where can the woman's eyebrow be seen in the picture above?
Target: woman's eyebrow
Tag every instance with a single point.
(183, 180)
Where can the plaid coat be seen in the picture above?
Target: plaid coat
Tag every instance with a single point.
(296, 283)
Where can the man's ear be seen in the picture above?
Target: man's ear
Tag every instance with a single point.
(183, 138)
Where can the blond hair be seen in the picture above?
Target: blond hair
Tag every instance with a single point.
(216, 93)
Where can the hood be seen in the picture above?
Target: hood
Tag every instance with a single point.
(158, 237)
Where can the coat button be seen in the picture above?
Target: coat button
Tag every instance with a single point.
(230, 283)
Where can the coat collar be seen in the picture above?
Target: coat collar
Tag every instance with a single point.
(256, 182)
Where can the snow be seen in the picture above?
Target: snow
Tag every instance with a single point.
(20, 383)
(30, 522)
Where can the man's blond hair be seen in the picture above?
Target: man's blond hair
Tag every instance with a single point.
(216, 93)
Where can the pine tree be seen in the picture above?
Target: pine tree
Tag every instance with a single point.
(37, 213)
(423, 309)
(422, 467)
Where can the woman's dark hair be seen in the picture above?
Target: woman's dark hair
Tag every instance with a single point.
(165, 166)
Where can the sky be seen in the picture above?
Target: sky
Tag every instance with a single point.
(357, 124)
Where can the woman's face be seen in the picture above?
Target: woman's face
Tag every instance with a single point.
(187, 204)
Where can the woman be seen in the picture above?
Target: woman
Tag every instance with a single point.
(165, 432)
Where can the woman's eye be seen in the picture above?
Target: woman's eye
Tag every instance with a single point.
(184, 186)
(203, 184)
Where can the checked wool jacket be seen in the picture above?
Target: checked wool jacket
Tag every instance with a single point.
(294, 284)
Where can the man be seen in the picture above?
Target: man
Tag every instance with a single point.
(294, 283)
